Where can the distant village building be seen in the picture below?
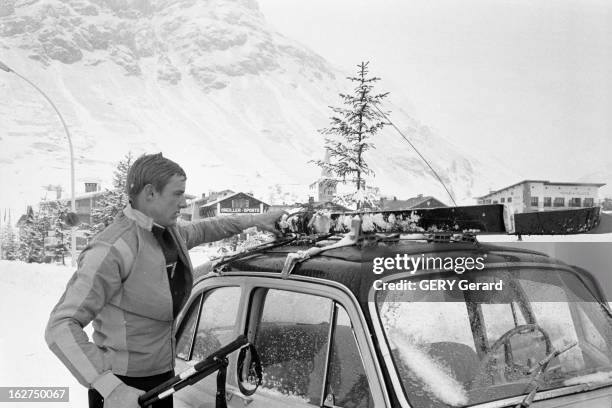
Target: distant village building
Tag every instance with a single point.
(324, 188)
(84, 202)
(328, 186)
(192, 212)
(284, 207)
(543, 195)
(224, 204)
(419, 201)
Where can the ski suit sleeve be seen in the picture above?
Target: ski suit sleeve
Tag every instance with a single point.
(96, 281)
(215, 228)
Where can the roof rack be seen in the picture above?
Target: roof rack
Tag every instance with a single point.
(448, 224)
(216, 265)
(356, 235)
(451, 224)
(294, 258)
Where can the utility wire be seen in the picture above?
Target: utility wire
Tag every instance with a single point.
(419, 153)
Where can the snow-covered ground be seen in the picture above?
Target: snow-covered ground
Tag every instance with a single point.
(28, 292)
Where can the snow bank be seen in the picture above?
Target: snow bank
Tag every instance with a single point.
(28, 292)
(42, 279)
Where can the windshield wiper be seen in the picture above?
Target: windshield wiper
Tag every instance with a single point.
(535, 383)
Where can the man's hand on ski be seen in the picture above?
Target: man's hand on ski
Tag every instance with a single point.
(269, 221)
(123, 396)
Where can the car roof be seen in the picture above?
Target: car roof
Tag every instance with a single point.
(351, 266)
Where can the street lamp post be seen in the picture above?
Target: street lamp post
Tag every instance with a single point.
(5, 68)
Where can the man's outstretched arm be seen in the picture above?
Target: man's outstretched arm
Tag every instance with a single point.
(216, 228)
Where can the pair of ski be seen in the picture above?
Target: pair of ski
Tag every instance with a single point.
(215, 362)
(481, 219)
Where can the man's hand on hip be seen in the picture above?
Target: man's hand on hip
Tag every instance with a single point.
(123, 397)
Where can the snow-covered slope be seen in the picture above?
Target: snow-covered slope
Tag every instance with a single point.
(208, 83)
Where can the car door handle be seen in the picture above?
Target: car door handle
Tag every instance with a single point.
(232, 392)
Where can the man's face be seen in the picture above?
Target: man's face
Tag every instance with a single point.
(165, 206)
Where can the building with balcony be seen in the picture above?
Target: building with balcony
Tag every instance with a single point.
(544, 195)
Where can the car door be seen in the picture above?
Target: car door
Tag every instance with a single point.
(308, 352)
(306, 342)
(211, 321)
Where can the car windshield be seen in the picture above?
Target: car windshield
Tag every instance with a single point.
(461, 345)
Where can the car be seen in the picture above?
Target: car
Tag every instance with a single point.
(399, 320)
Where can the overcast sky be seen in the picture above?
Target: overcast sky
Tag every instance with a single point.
(528, 80)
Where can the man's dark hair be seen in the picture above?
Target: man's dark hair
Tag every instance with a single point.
(152, 169)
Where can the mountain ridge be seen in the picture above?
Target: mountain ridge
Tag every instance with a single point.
(209, 84)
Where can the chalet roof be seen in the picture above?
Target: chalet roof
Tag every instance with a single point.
(220, 194)
(229, 197)
(406, 204)
(82, 196)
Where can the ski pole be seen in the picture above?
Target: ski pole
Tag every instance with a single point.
(200, 370)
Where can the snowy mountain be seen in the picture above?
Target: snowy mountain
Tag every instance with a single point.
(207, 82)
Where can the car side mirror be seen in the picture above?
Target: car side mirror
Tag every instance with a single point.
(250, 374)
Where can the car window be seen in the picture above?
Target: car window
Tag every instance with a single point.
(187, 329)
(589, 329)
(456, 347)
(215, 324)
(292, 339)
(347, 384)
(494, 326)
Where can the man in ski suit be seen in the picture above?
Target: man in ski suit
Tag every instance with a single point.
(132, 280)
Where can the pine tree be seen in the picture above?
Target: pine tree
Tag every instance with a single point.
(351, 129)
(120, 174)
(33, 245)
(9, 245)
(31, 239)
(45, 219)
(61, 232)
(12, 246)
(112, 202)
